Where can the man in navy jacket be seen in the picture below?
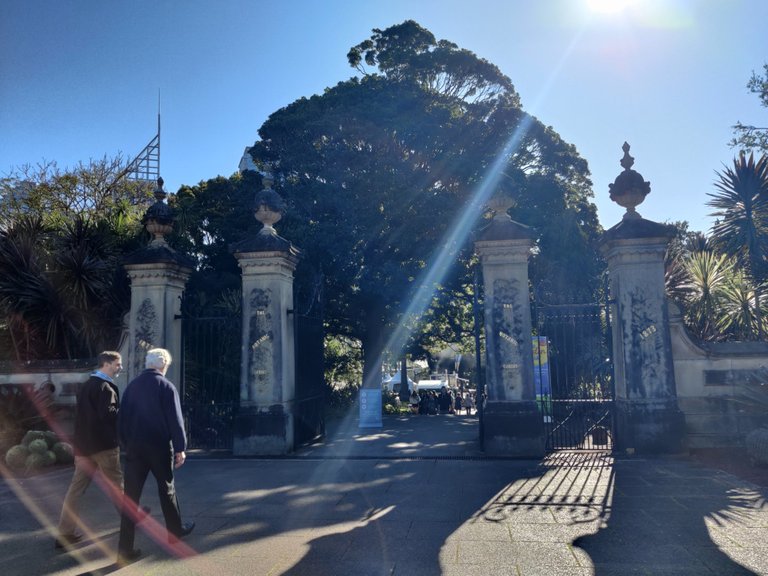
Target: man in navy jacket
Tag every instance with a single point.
(152, 435)
(96, 447)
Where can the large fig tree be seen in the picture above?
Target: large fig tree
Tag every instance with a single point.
(379, 171)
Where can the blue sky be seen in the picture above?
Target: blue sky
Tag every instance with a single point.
(80, 79)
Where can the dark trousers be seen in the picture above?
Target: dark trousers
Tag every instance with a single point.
(139, 462)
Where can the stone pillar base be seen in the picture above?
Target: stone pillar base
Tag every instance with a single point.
(262, 431)
(513, 429)
(649, 426)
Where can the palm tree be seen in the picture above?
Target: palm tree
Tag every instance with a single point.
(59, 288)
(676, 279)
(706, 274)
(738, 317)
(741, 212)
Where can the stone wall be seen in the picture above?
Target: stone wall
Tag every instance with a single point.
(714, 382)
(65, 375)
(28, 378)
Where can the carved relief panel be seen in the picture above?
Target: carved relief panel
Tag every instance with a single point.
(507, 323)
(647, 367)
(146, 333)
(260, 342)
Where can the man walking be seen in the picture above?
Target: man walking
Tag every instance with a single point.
(152, 434)
(96, 445)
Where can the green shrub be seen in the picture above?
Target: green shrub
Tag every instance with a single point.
(390, 409)
(64, 453)
(50, 438)
(16, 457)
(50, 458)
(39, 446)
(36, 460)
(343, 397)
(757, 445)
(32, 435)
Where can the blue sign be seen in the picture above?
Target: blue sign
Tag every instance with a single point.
(370, 408)
(541, 366)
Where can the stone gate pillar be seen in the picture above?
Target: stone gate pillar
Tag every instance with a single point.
(512, 424)
(648, 419)
(158, 275)
(264, 424)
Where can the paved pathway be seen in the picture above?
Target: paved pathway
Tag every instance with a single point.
(414, 498)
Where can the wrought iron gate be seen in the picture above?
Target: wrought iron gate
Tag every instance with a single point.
(210, 379)
(309, 413)
(574, 375)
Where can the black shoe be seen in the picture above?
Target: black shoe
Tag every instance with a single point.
(186, 529)
(128, 557)
(142, 513)
(66, 540)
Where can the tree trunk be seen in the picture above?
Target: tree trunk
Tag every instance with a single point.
(404, 392)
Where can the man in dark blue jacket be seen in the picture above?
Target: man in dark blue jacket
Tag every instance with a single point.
(96, 446)
(152, 435)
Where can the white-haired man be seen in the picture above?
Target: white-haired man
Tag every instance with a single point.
(152, 435)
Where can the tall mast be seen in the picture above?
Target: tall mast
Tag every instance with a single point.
(146, 165)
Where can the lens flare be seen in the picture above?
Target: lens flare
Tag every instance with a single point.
(609, 6)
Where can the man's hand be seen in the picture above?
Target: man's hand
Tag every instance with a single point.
(178, 459)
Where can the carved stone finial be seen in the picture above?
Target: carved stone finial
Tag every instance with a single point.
(499, 204)
(269, 205)
(267, 178)
(160, 194)
(627, 161)
(629, 189)
(158, 220)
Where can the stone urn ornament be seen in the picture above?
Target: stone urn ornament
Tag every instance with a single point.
(629, 189)
(269, 205)
(499, 204)
(158, 220)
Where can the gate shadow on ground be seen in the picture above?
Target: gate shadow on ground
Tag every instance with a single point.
(668, 517)
(335, 517)
(571, 513)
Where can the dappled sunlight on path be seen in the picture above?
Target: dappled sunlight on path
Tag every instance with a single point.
(416, 497)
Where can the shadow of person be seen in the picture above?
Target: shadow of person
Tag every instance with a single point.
(661, 516)
(420, 517)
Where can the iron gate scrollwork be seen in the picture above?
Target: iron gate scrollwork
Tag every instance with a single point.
(574, 375)
(309, 414)
(210, 379)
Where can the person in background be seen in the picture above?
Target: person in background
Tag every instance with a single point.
(152, 434)
(444, 401)
(467, 402)
(432, 407)
(413, 401)
(43, 399)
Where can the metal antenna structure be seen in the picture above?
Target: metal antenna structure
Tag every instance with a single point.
(145, 166)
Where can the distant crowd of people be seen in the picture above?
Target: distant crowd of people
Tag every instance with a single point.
(448, 401)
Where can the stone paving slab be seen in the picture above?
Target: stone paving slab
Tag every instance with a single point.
(393, 513)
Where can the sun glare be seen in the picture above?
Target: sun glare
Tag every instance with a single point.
(609, 6)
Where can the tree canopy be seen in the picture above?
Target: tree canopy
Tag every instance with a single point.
(93, 190)
(748, 137)
(378, 170)
(62, 235)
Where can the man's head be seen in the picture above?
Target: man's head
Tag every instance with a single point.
(158, 359)
(110, 363)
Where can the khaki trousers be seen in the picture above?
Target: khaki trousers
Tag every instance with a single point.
(111, 482)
